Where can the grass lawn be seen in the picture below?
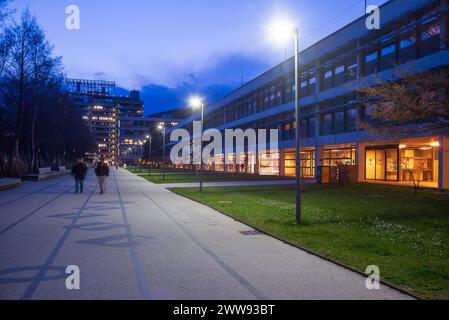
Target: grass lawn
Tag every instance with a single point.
(137, 170)
(357, 225)
(187, 177)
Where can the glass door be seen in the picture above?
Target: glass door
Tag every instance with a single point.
(382, 163)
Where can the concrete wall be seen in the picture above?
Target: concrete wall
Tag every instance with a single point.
(443, 168)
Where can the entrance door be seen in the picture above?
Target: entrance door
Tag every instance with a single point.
(382, 163)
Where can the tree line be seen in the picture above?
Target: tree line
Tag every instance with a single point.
(39, 126)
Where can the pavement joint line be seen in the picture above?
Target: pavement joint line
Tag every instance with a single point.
(41, 274)
(30, 193)
(137, 264)
(245, 283)
(34, 211)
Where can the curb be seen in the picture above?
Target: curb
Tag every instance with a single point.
(10, 186)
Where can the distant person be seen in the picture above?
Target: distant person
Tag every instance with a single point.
(79, 172)
(102, 172)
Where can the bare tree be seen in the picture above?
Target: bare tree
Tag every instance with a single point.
(416, 103)
(38, 122)
(5, 10)
(416, 173)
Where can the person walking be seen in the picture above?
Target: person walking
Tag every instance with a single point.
(79, 172)
(102, 172)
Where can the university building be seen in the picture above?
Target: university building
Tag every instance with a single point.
(102, 111)
(413, 38)
(118, 123)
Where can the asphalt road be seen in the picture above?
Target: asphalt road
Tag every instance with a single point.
(140, 241)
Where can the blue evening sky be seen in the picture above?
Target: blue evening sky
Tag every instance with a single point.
(172, 48)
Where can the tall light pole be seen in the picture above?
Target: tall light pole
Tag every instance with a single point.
(162, 128)
(150, 140)
(197, 103)
(279, 31)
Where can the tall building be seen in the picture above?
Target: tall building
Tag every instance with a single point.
(413, 37)
(102, 110)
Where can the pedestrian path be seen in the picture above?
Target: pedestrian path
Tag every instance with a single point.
(141, 241)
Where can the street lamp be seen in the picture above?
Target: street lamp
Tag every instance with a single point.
(197, 103)
(150, 140)
(162, 128)
(279, 31)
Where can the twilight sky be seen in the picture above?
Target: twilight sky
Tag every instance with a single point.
(172, 48)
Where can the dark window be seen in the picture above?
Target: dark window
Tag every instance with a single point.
(304, 128)
(304, 87)
(312, 85)
(311, 127)
(327, 125)
(339, 75)
(351, 69)
(340, 122)
(407, 49)
(327, 80)
(371, 61)
(388, 53)
(351, 119)
(430, 40)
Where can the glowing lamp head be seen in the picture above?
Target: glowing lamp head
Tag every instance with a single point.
(196, 102)
(281, 30)
(148, 137)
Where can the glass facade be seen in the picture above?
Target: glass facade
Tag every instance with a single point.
(269, 163)
(402, 163)
(418, 163)
(334, 157)
(307, 163)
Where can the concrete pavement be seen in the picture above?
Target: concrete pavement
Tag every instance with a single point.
(140, 241)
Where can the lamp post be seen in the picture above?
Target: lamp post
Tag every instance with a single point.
(150, 140)
(162, 128)
(197, 103)
(282, 29)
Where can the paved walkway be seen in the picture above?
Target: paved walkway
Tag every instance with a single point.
(140, 241)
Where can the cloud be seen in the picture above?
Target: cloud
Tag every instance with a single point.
(159, 98)
(222, 75)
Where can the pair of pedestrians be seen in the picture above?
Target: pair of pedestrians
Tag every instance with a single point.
(79, 171)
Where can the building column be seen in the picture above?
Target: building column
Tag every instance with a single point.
(319, 151)
(359, 62)
(360, 161)
(256, 168)
(318, 79)
(282, 162)
(443, 163)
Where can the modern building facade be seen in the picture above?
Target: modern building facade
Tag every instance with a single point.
(413, 37)
(134, 145)
(102, 111)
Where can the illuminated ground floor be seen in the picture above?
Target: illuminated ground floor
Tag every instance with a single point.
(422, 161)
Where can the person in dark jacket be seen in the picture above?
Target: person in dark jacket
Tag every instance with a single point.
(102, 172)
(79, 172)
